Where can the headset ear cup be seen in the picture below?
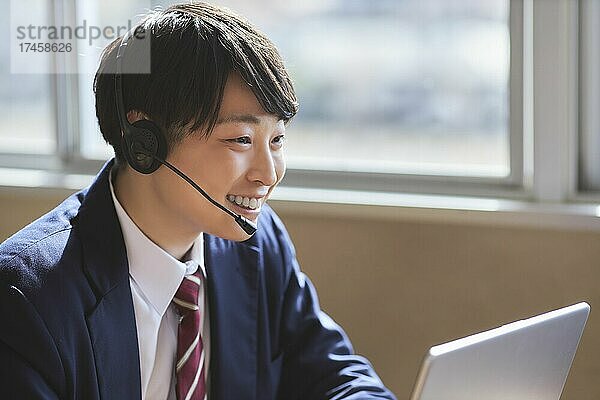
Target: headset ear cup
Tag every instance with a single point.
(145, 135)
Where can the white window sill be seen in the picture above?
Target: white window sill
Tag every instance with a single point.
(437, 209)
(361, 205)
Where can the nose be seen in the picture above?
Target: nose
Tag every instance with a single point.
(264, 166)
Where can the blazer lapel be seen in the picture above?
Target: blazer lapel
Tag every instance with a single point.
(232, 274)
(233, 280)
(111, 323)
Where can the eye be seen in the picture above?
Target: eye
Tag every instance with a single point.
(279, 139)
(241, 140)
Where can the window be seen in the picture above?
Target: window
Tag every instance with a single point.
(413, 87)
(417, 95)
(27, 117)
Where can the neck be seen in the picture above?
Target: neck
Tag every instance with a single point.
(137, 197)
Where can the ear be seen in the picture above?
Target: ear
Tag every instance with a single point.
(134, 116)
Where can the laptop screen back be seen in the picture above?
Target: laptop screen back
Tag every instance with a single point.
(525, 360)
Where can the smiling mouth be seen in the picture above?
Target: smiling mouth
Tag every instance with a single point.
(247, 203)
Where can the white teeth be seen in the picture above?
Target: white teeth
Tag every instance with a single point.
(246, 202)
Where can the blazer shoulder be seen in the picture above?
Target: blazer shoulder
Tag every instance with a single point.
(28, 255)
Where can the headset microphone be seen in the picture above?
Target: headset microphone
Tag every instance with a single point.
(145, 147)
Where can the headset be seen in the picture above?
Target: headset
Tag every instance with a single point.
(145, 147)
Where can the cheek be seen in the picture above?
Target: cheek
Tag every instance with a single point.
(221, 173)
(208, 166)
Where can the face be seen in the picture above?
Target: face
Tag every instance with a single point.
(241, 162)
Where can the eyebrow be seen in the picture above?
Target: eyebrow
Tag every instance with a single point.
(247, 118)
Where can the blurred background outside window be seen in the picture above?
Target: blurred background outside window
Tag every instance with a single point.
(27, 114)
(418, 87)
(414, 86)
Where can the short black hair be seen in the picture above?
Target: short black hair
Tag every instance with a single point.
(194, 48)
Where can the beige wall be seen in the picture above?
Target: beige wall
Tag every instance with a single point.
(400, 287)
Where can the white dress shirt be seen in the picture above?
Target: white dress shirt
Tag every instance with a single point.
(154, 277)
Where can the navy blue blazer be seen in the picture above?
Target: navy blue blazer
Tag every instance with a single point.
(68, 327)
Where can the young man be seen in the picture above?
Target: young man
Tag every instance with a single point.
(139, 286)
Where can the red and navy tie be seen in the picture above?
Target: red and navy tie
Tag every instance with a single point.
(190, 351)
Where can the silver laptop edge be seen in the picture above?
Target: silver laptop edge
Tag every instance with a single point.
(580, 312)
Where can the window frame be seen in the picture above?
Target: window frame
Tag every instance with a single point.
(539, 32)
(588, 184)
(552, 97)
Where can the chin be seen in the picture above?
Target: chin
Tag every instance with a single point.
(231, 231)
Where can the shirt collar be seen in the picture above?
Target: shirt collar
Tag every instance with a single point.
(156, 272)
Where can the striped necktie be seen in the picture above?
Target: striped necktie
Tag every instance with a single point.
(190, 351)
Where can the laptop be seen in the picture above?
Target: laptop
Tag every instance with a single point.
(525, 360)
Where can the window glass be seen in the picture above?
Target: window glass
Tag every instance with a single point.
(415, 86)
(27, 115)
